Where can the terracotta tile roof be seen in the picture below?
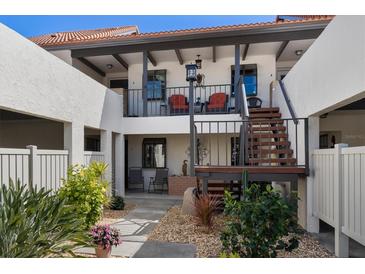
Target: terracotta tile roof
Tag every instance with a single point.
(116, 34)
(72, 37)
(305, 17)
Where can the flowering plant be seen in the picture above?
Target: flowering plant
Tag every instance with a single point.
(105, 236)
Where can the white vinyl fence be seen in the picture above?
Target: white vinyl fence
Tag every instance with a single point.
(42, 168)
(93, 156)
(339, 179)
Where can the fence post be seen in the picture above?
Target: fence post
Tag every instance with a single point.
(33, 166)
(341, 240)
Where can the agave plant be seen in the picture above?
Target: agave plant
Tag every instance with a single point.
(34, 224)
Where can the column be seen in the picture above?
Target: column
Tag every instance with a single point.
(119, 165)
(313, 143)
(144, 82)
(106, 149)
(73, 141)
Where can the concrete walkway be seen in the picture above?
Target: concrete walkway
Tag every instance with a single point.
(139, 223)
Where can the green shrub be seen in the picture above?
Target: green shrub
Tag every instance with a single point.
(117, 203)
(35, 224)
(257, 224)
(87, 191)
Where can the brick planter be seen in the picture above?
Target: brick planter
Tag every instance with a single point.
(178, 184)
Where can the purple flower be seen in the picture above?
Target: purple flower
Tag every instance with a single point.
(105, 235)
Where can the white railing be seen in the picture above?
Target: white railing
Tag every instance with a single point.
(91, 156)
(339, 179)
(42, 168)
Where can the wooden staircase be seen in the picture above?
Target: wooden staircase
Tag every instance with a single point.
(268, 143)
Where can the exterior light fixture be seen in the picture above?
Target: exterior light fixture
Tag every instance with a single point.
(299, 52)
(109, 66)
(198, 62)
(191, 72)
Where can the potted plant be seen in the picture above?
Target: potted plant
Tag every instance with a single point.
(105, 237)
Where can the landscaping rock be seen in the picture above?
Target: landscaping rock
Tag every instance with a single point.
(188, 202)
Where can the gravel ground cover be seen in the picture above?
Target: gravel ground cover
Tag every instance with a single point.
(111, 216)
(179, 228)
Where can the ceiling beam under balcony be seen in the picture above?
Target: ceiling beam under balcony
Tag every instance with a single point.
(245, 51)
(179, 56)
(281, 49)
(151, 58)
(121, 61)
(91, 66)
(214, 53)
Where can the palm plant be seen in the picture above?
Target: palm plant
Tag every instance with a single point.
(34, 224)
(205, 208)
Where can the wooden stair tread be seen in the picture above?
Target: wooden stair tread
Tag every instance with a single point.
(269, 143)
(272, 160)
(267, 135)
(266, 128)
(270, 151)
(265, 115)
(265, 121)
(263, 110)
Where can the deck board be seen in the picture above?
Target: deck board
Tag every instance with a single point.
(250, 169)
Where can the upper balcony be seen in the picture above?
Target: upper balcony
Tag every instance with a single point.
(172, 101)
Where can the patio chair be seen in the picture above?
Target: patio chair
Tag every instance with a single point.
(178, 104)
(160, 181)
(135, 179)
(254, 102)
(217, 103)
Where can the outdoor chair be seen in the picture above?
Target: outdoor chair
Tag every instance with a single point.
(159, 182)
(217, 103)
(135, 179)
(178, 104)
(254, 102)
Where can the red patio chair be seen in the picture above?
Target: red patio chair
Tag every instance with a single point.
(178, 104)
(217, 102)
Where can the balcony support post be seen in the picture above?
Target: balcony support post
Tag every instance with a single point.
(144, 82)
(192, 133)
(236, 74)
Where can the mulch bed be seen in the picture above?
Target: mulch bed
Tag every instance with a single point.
(179, 228)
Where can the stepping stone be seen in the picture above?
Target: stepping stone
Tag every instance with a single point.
(156, 249)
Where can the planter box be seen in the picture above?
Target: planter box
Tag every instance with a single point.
(178, 184)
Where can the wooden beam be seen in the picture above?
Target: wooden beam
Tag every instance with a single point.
(244, 54)
(199, 41)
(91, 66)
(152, 60)
(179, 56)
(214, 53)
(281, 49)
(121, 61)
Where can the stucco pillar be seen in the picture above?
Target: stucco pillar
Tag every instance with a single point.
(313, 143)
(106, 149)
(119, 165)
(74, 142)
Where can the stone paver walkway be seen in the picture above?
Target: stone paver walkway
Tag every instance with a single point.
(139, 223)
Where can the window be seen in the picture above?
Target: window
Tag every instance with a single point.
(118, 83)
(249, 75)
(154, 153)
(92, 143)
(156, 84)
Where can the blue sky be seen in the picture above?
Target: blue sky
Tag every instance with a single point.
(37, 25)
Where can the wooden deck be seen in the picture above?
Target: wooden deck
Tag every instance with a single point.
(259, 173)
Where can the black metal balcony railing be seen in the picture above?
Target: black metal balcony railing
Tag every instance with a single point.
(208, 99)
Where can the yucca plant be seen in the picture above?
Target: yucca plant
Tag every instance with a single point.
(35, 224)
(205, 209)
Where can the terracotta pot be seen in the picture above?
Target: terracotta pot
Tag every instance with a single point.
(103, 253)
